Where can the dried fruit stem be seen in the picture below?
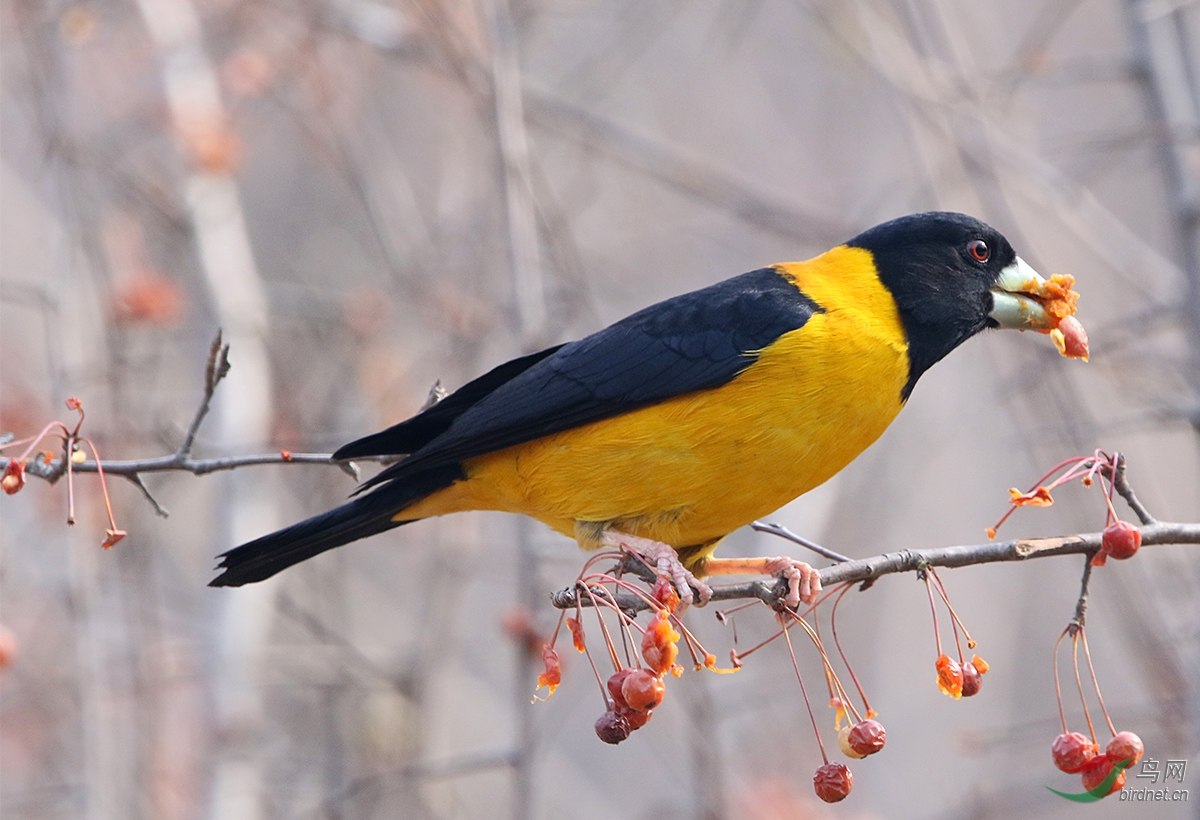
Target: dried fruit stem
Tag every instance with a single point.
(1096, 683)
(608, 641)
(833, 628)
(1079, 681)
(1057, 687)
(803, 691)
(945, 596)
(937, 633)
(103, 484)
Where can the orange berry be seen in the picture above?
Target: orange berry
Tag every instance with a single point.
(642, 690)
(552, 676)
(658, 644)
(637, 719)
(950, 676)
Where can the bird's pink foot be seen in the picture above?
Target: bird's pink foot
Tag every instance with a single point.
(804, 582)
(666, 563)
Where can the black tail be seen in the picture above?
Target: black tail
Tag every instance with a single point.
(366, 515)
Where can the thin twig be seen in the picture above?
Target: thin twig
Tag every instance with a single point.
(215, 369)
(136, 480)
(784, 532)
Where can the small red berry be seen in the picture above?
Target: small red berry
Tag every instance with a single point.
(972, 680)
(1121, 540)
(642, 690)
(1072, 751)
(1125, 745)
(613, 727)
(832, 782)
(614, 687)
(637, 719)
(1094, 777)
(867, 737)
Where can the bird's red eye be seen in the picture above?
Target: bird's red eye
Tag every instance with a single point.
(979, 250)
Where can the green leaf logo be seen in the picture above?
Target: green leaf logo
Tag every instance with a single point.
(1100, 791)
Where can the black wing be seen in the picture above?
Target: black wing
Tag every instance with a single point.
(412, 434)
(697, 341)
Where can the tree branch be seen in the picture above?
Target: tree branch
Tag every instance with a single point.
(869, 569)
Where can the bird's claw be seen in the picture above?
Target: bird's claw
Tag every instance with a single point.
(804, 582)
(666, 563)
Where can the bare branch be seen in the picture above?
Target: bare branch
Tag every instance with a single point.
(1121, 485)
(173, 463)
(1081, 605)
(868, 569)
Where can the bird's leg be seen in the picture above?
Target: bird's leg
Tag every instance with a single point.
(804, 582)
(665, 561)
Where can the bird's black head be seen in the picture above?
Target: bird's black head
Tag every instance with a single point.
(940, 268)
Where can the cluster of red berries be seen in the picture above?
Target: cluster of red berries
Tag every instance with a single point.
(1077, 753)
(633, 693)
(638, 683)
(1074, 752)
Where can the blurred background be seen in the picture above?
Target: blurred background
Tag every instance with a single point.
(372, 196)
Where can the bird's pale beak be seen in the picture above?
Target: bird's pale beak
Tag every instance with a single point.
(1014, 306)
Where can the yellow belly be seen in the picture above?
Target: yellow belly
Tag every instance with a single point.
(692, 469)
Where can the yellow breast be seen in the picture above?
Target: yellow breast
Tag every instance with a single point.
(694, 468)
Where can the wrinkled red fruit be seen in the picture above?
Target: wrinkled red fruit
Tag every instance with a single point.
(867, 737)
(1125, 745)
(642, 690)
(1094, 777)
(1072, 751)
(832, 782)
(612, 727)
(972, 680)
(1121, 540)
(614, 687)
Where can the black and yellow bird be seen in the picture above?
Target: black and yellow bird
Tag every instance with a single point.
(669, 429)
